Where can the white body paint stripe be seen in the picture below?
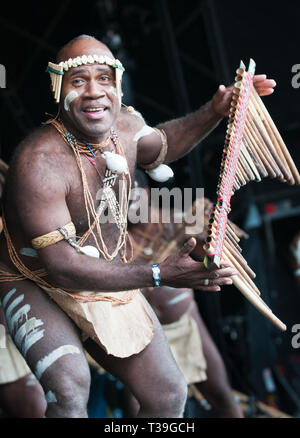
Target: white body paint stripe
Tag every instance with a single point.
(179, 298)
(50, 397)
(22, 331)
(48, 360)
(29, 252)
(146, 130)
(31, 339)
(13, 321)
(31, 380)
(8, 296)
(12, 305)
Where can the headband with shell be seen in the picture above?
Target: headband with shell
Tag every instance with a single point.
(57, 71)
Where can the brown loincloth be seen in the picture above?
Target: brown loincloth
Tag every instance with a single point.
(12, 364)
(120, 329)
(186, 346)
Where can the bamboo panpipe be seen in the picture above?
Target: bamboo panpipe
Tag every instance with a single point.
(253, 150)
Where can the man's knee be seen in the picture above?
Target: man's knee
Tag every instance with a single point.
(68, 396)
(170, 400)
(177, 395)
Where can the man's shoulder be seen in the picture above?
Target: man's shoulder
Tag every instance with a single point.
(42, 153)
(129, 119)
(42, 145)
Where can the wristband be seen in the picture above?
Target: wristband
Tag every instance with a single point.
(156, 275)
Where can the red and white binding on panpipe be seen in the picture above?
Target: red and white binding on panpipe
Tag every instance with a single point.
(253, 150)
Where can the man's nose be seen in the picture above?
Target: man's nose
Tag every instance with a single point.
(94, 90)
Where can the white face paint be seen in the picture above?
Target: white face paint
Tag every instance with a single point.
(146, 130)
(48, 360)
(69, 99)
(112, 90)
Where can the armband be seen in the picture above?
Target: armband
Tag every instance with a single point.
(62, 233)
(163, 152)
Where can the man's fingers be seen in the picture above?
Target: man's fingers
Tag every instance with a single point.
(265, 91)
(187, 247)
(209, 288)
(223, 272)
(258, 78)
(266, 83)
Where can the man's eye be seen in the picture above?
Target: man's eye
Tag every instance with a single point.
(105, 78)
(77, 82)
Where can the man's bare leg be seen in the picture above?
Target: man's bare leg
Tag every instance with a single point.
(53, 347)
(23, 398)
(216, 389)
(152, 376)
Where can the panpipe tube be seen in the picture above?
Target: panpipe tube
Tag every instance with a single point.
(273, 138)
(279, 138)
(267, 170)
(246, 166)
(243, 274)
(256, 159)
(243, 263)
(251, 163)
(236, 230)
(261, 142)
(255, 145)
(238, 255)
(259, 304)
(269, 144)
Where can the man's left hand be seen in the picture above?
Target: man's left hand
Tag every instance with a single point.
(222, 98)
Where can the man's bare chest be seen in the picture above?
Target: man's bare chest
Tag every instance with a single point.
(88, 184)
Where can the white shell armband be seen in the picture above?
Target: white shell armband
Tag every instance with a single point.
(161, 173)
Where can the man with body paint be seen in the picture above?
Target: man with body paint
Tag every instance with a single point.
(44, 201)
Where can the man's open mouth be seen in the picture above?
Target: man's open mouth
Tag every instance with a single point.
(96, 112)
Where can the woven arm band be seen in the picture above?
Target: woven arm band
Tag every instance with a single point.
(163, 152)
(67, 230)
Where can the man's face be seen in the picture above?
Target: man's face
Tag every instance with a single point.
(89, 101)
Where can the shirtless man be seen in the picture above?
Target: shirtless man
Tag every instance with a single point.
(44, 191)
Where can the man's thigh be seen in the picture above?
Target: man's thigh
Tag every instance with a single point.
(147, 373)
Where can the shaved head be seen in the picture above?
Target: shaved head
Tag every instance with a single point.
(82, 45)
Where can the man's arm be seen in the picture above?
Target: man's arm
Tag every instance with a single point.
(41, 204)
(185, 133)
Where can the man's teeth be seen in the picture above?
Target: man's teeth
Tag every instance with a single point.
(94, 109)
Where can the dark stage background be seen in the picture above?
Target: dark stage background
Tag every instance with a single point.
(176, 54)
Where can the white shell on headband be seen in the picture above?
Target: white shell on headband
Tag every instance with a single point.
(161, 173)
(91, 251)
(115, 162)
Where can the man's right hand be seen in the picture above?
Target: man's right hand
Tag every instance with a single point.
(180, 270)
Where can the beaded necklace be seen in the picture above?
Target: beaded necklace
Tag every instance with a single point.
(108, 199)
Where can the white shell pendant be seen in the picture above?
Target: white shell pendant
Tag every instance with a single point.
(115, 162)
(90, 251)
(161, 173)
